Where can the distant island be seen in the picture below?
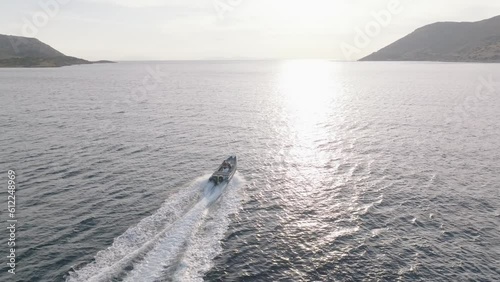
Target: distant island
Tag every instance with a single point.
(446, 42)
(25, 52)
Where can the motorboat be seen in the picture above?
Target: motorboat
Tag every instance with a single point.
(225, 171)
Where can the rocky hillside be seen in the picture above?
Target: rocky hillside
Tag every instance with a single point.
(446, 41)
(17, 51)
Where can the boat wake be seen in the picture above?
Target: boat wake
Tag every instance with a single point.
(177, 242)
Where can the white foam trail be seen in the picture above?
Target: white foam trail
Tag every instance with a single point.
(198, 257)
(187, 240)
(139, 239)
(180, 231)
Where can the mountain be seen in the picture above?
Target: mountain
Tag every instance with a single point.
(17, 51)
(446, 41)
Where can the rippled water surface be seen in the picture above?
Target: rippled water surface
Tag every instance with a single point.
(347, 171)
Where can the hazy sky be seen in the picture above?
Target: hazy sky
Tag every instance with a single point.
(232, 29)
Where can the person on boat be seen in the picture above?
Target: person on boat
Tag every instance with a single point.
(226, 164)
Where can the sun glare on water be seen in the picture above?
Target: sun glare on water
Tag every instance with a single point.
(307, 90)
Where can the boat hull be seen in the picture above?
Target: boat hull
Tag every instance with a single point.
(225, 171)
